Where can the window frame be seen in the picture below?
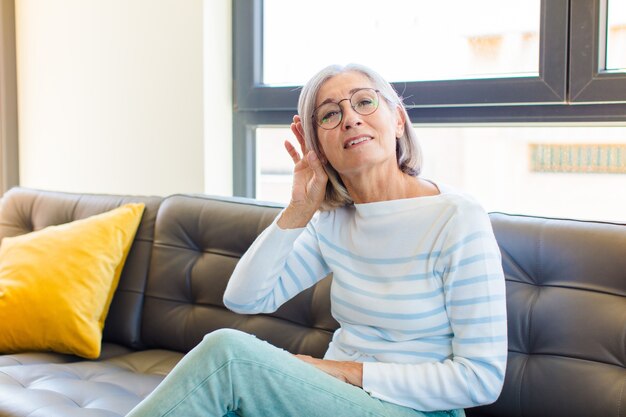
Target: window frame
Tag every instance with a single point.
(9, 161)
(589, 80)
(548, 87)
(548, 97)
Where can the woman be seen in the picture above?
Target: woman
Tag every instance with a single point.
(417, 289)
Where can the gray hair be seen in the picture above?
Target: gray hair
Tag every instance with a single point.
(408, 151)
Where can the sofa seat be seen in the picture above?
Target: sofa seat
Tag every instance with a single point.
(102, 388)
(109, 350)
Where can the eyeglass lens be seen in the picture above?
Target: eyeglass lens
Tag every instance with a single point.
(363, 101)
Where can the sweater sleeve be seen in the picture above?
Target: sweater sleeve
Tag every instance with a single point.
(277, 266)
(474, 293)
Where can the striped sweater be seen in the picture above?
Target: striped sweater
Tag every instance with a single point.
(417, 289)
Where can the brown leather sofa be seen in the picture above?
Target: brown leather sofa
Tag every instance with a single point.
(566, 290)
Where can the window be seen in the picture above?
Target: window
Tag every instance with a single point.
(570, 171)
(563, 95)
(544, 82)
(470, 43)
(616, 36)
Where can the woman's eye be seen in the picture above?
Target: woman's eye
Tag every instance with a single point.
(329, 116)
(365, 102)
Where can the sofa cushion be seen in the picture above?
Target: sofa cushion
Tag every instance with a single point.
(56, 284)
(198, 241)
(109, 388)
(566, 302)
(24, 210)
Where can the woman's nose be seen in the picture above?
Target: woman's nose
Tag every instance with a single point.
(350, 118)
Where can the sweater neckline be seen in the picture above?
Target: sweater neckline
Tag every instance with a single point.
(403, 204)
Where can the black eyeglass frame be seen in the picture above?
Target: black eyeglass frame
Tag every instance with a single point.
(378, 95)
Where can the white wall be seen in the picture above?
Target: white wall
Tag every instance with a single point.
(218, 104)
(111, 95)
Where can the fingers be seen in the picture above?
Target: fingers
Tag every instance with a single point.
(308, 359)
(318, 168)
(298, 132)
(295, 156)
(311, 158)
(298, 122)
(314, 162)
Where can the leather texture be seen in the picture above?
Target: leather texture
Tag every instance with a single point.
(566, 294)
(108, 388)
(198, 241)
(109, 350)
(566, 302)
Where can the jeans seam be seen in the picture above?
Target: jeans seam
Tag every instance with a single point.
(273, 370)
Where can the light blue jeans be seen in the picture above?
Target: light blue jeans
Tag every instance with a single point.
(231, 373)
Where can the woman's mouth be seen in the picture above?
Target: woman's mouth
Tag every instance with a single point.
(355, 141)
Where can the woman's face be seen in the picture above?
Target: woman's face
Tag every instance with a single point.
(360, 143)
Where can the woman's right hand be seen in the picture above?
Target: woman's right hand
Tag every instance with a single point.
(309, 182)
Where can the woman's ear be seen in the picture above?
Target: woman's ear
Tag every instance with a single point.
(400, 120)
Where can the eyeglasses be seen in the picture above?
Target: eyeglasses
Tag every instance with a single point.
(364, 101)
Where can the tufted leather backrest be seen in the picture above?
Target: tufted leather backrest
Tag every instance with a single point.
(566, 301)
(566, 293)
(25, 210)
(198, 241)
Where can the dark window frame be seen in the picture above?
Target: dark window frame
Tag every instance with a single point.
(589, 80)
(549, 86)
(571, 86)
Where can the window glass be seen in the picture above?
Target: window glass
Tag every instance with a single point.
(616, 35)
(406, 40)
(545, 170)
(274, 166)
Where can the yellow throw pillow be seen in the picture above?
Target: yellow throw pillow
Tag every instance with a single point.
(56, 284)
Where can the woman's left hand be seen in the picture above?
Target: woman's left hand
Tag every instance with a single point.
(350, 372)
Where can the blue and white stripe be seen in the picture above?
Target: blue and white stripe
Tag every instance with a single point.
(421, 286)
